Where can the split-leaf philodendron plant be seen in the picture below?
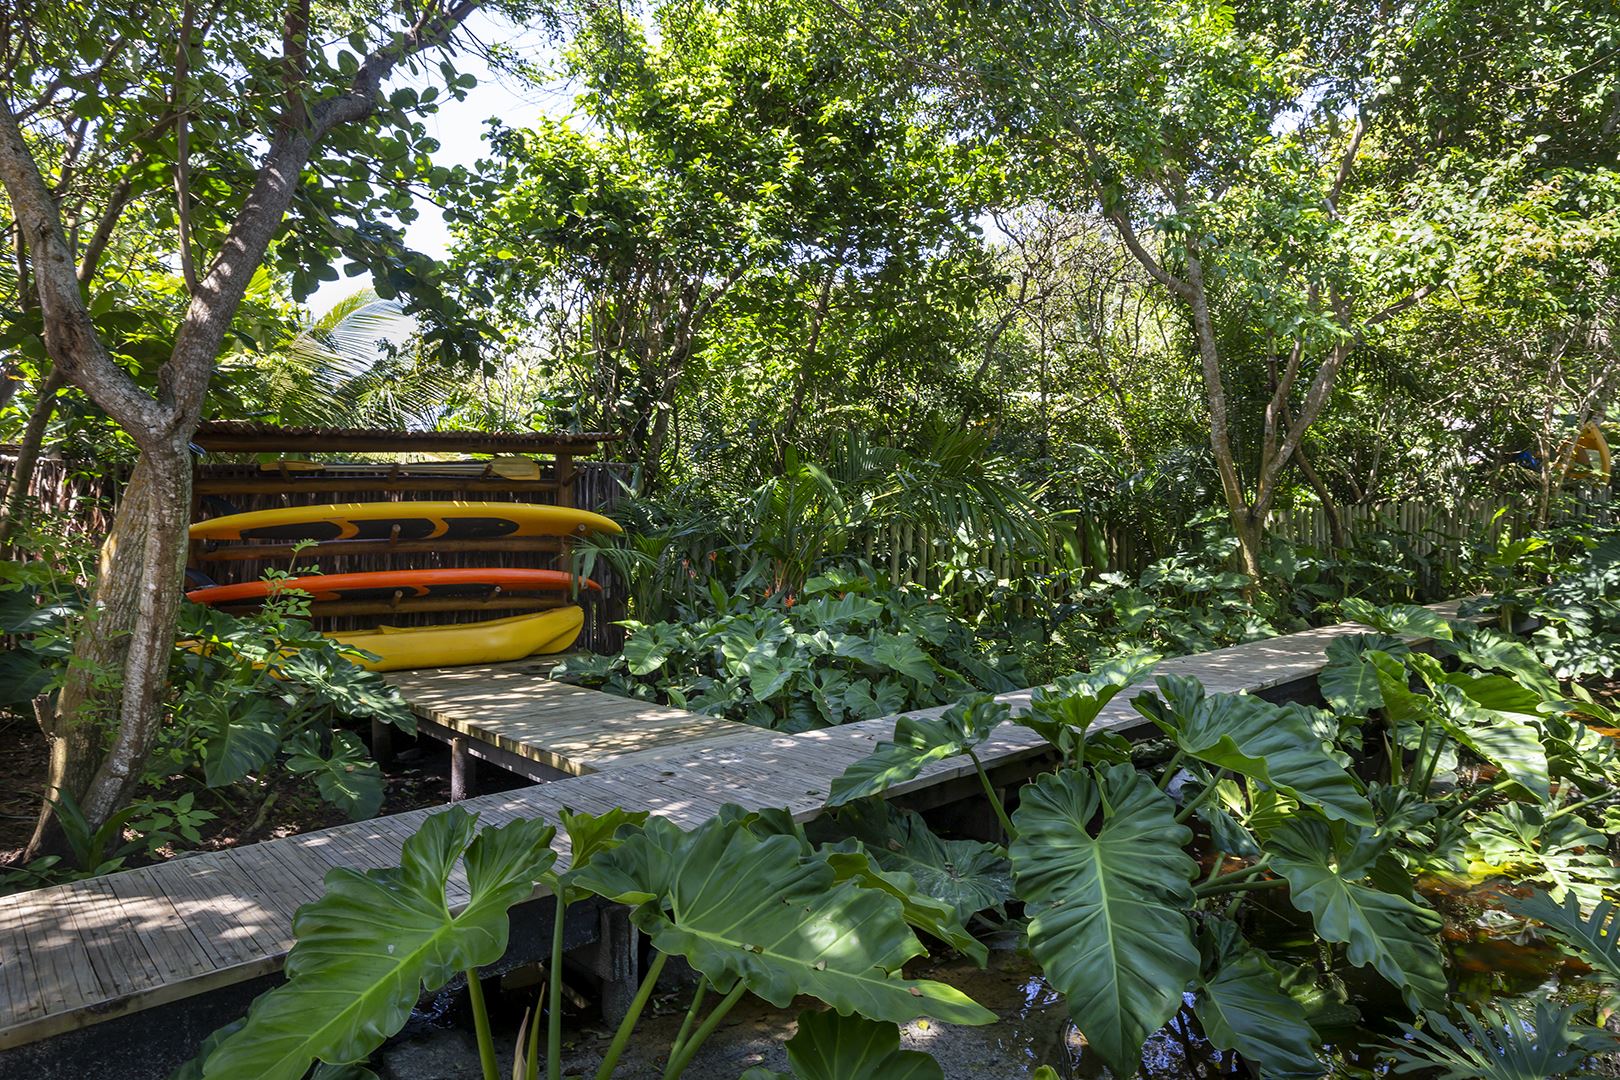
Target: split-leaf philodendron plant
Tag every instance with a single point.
(745, 898)
(1139, 866)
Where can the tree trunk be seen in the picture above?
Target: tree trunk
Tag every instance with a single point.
(22, 472)
(1248, 519)
(1330, 508)
(110, 707)
(1251, 534)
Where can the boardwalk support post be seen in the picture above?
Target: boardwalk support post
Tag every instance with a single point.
(382, 742)
(463, 777)
(614, 958)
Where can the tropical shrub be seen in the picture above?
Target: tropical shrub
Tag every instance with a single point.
(1194, 601)
(369, 947)
(1573, 613)
(258, 693)
(767, 527)
(1473, 762)
(843, 650)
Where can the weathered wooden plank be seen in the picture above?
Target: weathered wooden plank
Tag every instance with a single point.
(518, 708)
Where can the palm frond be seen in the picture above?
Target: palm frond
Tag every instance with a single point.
(1590, 937)
(1507, 1041)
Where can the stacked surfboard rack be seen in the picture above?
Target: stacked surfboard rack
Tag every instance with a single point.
(418, 554)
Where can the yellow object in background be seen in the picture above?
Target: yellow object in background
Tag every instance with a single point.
(1588, 458)
(426, 520)
(404, 648)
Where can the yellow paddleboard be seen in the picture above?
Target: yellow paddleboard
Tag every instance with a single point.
(403, 648)
(404, 521)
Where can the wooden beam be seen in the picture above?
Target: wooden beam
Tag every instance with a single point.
(231, 437)
(293, 484)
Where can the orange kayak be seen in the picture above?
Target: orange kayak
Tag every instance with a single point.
(383, 584)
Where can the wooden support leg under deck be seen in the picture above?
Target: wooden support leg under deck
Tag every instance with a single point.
(614, 958)
(463, 771)
(382, 741)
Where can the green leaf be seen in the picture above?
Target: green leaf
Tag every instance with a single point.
(1512, 745)
(1326, 868)
(904, 656)
(1491, 650)
(923, 912)
(348, 778)
(1591, 938)
(969, 875)
(1107, 899)
(373, 942)
(591, 834)
(247, 739)
(1063, 713)
(828, 1046)
(1404, 619)
(741, 907)
(1562, 852)
(649, 648)
(1349, 682)
(1510, 1040)
(917, 742)
(1254, 738)
(1243, 1006)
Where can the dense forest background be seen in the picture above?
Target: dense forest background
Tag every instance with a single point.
(1280, 253)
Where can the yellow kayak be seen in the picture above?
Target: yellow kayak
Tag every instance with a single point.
(404, 521)
(403, 648)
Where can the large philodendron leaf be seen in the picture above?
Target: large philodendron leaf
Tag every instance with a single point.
(1408, 620)
(1107, 899)
(970, 875)
(1348, 681)
(588, 836)
(833, 1047)
(347, 777)
(1254, 738)
(373, 942)
(917, 742)
(1500, 738)
(1327, 869)
(742, 907)
(1243, 1006)
(1063, 713)
(1508, 1041)
(246, 736)
(1491, 650)
(852, 862)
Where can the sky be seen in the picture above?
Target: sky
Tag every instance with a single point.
(459, 128)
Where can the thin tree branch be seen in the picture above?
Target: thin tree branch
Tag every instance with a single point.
(1122, 224)
(1346, 163)
(182, 148)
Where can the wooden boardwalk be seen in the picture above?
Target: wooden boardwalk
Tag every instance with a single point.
(517, 715)
(74, 955)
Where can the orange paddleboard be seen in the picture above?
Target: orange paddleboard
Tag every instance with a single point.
(383, 584)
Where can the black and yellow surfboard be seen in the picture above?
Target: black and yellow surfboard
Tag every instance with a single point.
(404, 521)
